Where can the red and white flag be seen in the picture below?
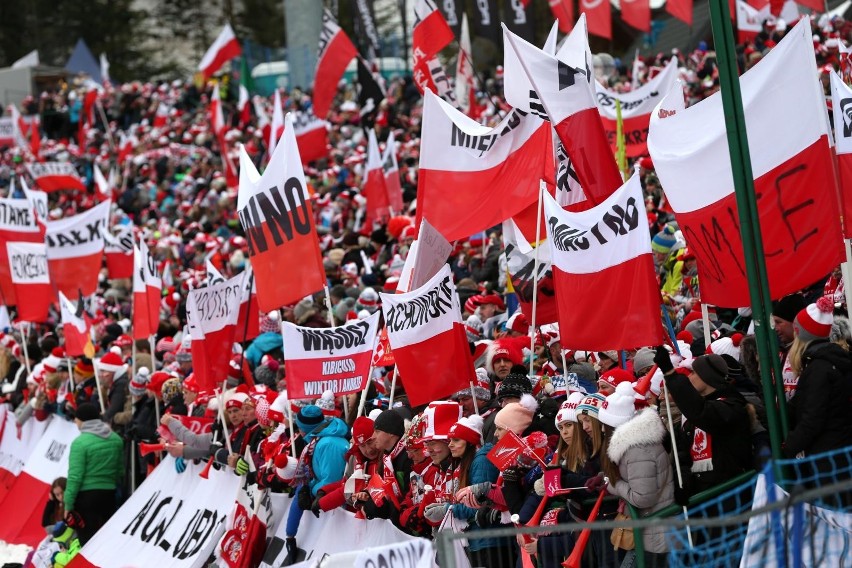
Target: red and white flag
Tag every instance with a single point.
(217, 119)
(225, 48)
(103, 185)
(118, 250)
(17, 224)
(465, 79)
(55, 176)
(244, 542)
(637, 13)
(472, 176)
(75, 248)
(566, 95)
(636, 108)
(603, 272)
(248, 322)
(311, 136)
(211, 315)
(563, 13)
(31, 279)
(680, 9)
(213, 274)
(427, 255)
(841, 107)
(243, 106)
(336, 358)
(391, 169)
(374, 190)
(749, 21)
(126, 145)
(599, 17)
(276, 216)
(793, 175)
(38, 199)
(20, 128)
(335, 53)
(277, 125)
(75, 328)
(161, 117)
(147, 290)
(428, 339)
(521, 266)
(430, 35)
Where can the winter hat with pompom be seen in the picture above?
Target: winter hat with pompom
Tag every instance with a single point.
(139, 382)
(568, 410)
(814, 322)
(727, 346)
(618, 407)
(326, 404)
(468, 429)
(517, 416)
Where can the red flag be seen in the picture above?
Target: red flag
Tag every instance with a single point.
(18, 224)
(563, 13)
(428, 339)
(225, 48)
(841, 108)
(118, 250)
(383, 354)
(35, 139)
(599, 17)
(217, 120)
(248, 321)
(75, 328)
(311, 136)
(749, 21)
(471, 176)
(75, 248)
(603, 272)
(507, 450)
(54, 176)
(143, 328)
(244, 541)
(211, 314)
(637, 13)
(521, 265)
(19, 128)
(153, 286)
(430, 35)
(567, 97)
(374, 190)
(391, 170)
(636, 108)
(276, 215)
(680, 9)
(793, 176)
(335, 53)
(126, 146)
(28, 267)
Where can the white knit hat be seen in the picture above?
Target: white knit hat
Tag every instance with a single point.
(727, 346)
(468, 429)
(568, 410)
(618, 407)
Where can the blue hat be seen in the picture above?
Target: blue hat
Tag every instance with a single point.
(309, 417)
(664, 240)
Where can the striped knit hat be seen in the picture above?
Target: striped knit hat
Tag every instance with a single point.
(591, 405)
(814, 322)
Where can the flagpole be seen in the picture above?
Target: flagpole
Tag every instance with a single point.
(100, 389)
(331, 324)
(753, 253)
(221, 412)
(535, 276)
(103, 116)
(705, 324)
(675, 454)
(393, 387)
(24, 336)
(363, 402)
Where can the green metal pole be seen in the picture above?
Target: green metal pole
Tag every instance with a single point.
(758, 283)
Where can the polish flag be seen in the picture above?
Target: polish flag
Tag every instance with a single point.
(225, 48)
(248, 322)
(161, 117)
(374, 190)
(521, 266)
(118, 250)
(563, 13)
(430, 34)
(637, 13)
(55, 176)
(793, 175)
(565, 89)
(213, 274)
(841, 107)
(749, 21)
(680, 9)
(603, 272)
(35, 138)
(243, 543)
(30, 277)
(20, 128)
(38, 200)
(211, 315)
(335, 53)
(75, 248)
(277, 125)
(465, 80)
(75, 328)
(47, 461)
(391, 169)
(428, 339)
(336, 359)
(636, 108)
(599, 16)
(243, 106)
(217, 120)
(472, 176)
(103, 186)
(517, 87)
(126, 145)
(153, 286)
(17, 224)
(311, 136)
(275, 213)
(142, 325)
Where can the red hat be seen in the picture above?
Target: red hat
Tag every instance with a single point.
(157, 379)
(814, 322)
(616, 376)
(440, 417)
(123, 340)
(237, 400)
(190, 384)
(362, 430)
(518, 323)
(111, 363)
(468, 429)
(84, 367)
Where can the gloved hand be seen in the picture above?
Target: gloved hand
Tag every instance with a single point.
(241, 467)
(512, 475)
(487, 518)
(596, 483)
(539, 488)
(315, 507)
(304, 498)
(180, 465)
(663, 360)
(435, 512)
(74, 520)
(473, 496)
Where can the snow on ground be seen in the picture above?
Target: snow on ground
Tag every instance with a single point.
(13, 552)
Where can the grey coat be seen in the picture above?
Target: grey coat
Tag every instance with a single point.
(645, 470)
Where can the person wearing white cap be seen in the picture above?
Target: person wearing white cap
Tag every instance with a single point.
(114, 382)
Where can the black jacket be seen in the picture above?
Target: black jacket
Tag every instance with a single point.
(820, 417)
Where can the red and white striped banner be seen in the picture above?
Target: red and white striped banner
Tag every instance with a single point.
(75, 248)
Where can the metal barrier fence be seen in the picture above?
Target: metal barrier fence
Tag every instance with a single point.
(756, 523)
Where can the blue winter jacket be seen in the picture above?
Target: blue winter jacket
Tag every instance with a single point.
(481, 470)
(328, 461)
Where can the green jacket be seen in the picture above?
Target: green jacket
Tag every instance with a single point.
(96, 461)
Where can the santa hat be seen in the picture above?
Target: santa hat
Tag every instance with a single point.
(814, 322)
(727, 346)
(155, 384)
(568, 410)
(111, 363)
(362, 430)
(440, 417)
(517, 416)
(468, 429)
(619, 407)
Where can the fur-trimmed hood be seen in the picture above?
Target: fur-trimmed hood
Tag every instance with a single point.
(644, 429)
